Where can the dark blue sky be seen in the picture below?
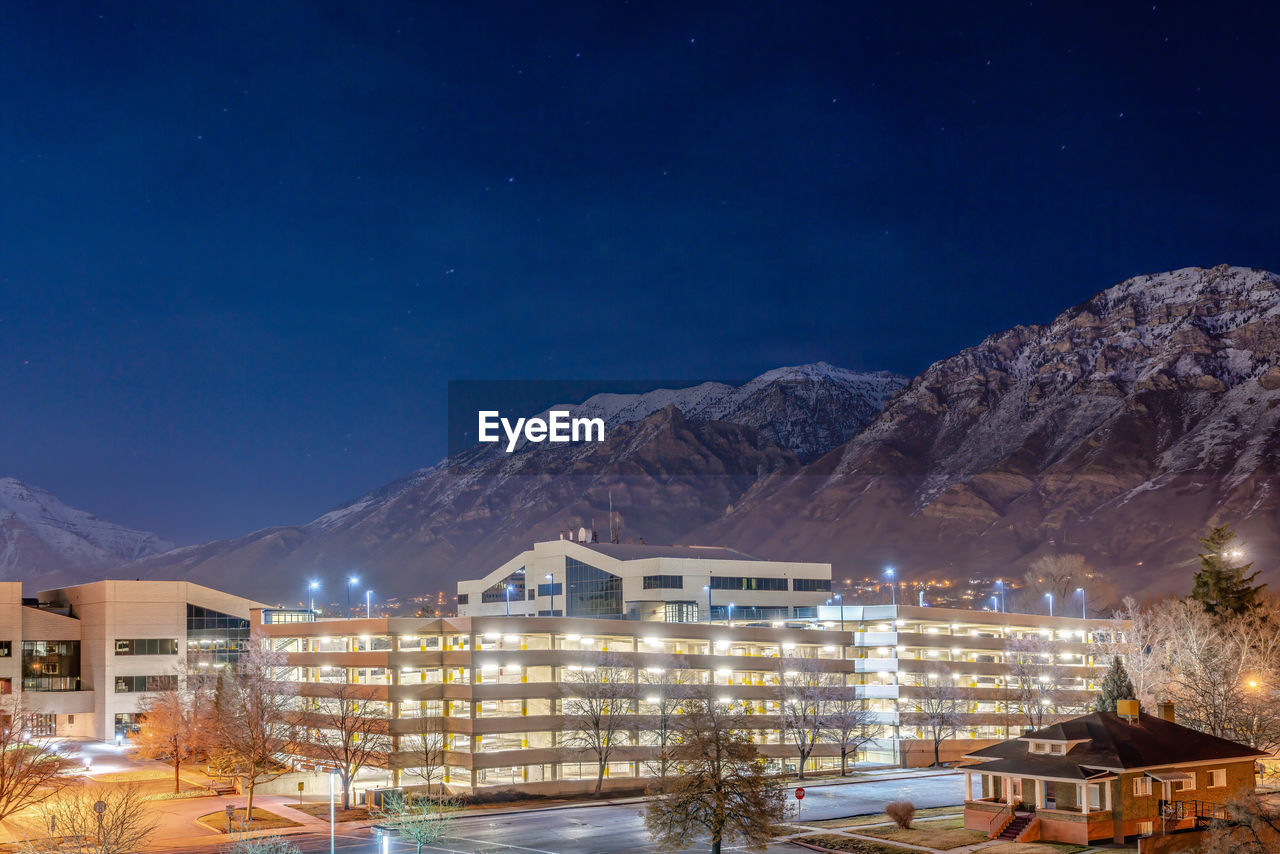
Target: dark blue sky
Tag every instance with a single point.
(243, 246)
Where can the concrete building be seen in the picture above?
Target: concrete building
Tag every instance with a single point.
(83, 659)
(674, 584)
(496, 686)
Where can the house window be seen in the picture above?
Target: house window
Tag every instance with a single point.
(1217, 778)
(1185, 785)
(1146, 828)
(1056, 748)
(1142, 787)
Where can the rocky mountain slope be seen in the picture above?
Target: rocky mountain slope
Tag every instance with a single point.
(675, 460)
(40, 534)
(1118, 430)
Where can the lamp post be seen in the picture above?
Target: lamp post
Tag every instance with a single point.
(893, 587)
(921, 597)
(707, 589)
(1049, 596)
(368, 604)
(351, 582)
(1000, 590)
(994, 606)
(839, 597)
(332, 823)
(730, 621)
(1084, 615)
(507, 592)
(552, 584)
(312, 587)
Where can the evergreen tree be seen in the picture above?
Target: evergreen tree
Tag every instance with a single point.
(1115, 686)
(1223, 585)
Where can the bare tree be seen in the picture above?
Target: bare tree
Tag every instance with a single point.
(1035, 678)
(172, 730)
(121, 827)
(345, 727)
(936, 707)
(251, 723)
(598, 708)
(426, 744)
(422, 823)
(30, 769)
(804, 688)
(850, 724)
(1061, 576)
(1252, 826)
(664, 688)
(719, 788)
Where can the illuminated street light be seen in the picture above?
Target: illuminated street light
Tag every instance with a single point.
(368, 606)
(351, 582)
(893, 587)
(1049, 596)
(312, 587)
(1083, 614)
(706, 588)
(551, 584)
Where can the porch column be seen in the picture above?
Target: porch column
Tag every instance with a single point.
(1106, 795)
(1041, 794)
(1008, 790)
(1084, 801)
(968, 786)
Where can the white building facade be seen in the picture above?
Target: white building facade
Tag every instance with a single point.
(81, 661)
(674, 584)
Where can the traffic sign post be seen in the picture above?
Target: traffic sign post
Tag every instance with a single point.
(799, 798)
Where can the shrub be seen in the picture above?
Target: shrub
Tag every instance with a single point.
(901, 812)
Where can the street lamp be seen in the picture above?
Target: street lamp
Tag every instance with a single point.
(368, 604)
(731, 613)
(839, 597)
(706, 588)
(1049, 596)
(312, 587)
(994, 606)
(893, 587)
(1083, 613)
(351, 582)
(552, 584)
(1000, 590)
(921, 597)
(507, 593)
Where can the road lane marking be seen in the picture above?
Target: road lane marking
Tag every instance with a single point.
(504, 845)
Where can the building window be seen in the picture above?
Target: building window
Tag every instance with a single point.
(811, 585)
(214, 637)
(1057, 748)
(51, 665)
(748, 612)
(556, 589)
(592, 591)
(147, 646)
(680, 612)
(134, 684)
(1185, 785)
(499, 591)
(1146, 828)
(6, 649)
(463, 598)
(663, 582)
(40, 725)
(805, 612)
(1141, 787)
(1217, 778)
(739, 582)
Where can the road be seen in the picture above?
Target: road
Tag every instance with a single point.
(619, 828)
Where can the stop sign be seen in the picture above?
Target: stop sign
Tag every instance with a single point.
(799, 793)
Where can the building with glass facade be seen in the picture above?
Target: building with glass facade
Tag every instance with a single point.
(83, 659)
(674, 584)
(495, 690)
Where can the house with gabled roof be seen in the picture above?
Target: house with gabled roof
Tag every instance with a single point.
(1105, 776)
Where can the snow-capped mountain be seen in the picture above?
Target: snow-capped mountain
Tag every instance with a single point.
(1119, 430)
(40, 534)
(675, 459)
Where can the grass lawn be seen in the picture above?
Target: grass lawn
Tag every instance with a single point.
(262, 820)
(944, 833)
(857, 846)
(321, 811)
(134, 776)
(876, 818)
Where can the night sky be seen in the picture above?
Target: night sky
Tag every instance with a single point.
(244, 246)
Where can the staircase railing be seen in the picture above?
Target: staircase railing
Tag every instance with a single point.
(999, 821)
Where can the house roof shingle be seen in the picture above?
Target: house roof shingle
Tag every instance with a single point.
(1108, 742)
